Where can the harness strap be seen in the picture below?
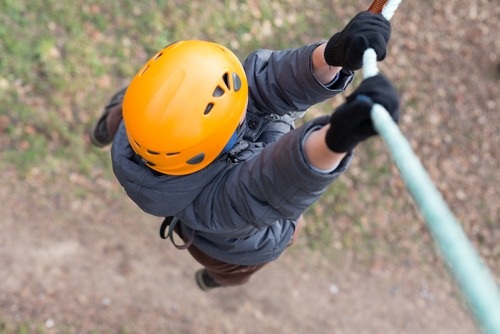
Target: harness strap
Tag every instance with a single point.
(171, 222)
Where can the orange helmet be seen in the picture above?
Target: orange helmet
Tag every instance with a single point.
(184, 106)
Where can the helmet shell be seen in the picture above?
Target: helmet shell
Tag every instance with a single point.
(181, 109)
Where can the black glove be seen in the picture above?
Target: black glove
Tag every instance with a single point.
(351, 122)
(365, 30)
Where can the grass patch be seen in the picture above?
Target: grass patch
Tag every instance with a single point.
(61, 61)
(20, 328)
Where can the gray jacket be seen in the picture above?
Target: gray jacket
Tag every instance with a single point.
(244, 206)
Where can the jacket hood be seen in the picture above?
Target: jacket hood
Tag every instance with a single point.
(157, 194)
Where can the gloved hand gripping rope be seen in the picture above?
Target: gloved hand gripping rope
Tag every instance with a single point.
(476, 281)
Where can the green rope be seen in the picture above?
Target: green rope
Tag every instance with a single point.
(476, 281)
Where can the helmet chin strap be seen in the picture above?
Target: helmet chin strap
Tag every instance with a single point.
(232, 141)
(237, 136)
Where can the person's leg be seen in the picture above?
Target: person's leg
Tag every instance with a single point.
(217, 273)
(229, 274)
(104, 130)
(222, 273)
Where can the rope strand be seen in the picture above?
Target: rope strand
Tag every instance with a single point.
(476, 281)
(370, 57)
(370, 68)
(389, 9)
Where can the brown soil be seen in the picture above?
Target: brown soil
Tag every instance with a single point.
(77, 263)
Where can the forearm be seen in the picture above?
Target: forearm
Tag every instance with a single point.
(288, 80)
(317, 152)
(323, 72)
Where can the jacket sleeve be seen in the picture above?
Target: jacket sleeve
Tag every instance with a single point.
(282, 81)
(276, 184)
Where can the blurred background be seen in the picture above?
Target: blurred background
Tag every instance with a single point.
(77, 256)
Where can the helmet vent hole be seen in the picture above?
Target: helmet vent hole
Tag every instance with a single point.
(196, 159)
(149, 163)
(158, 56)
(236, 82)
(135, 141)
(218, 92)
(152, 152)
(208, 108)
(172, 154)
(225, 77)
(144, 70)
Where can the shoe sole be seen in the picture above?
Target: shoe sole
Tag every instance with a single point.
(115, 99)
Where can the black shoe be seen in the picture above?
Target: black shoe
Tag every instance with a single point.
(205, 281)
(100, 135)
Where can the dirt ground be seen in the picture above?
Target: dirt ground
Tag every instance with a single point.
(92, 262)
(96, 264)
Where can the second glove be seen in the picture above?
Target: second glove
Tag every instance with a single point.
(351, 122)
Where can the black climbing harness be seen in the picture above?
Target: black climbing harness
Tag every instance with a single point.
(170, 223)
